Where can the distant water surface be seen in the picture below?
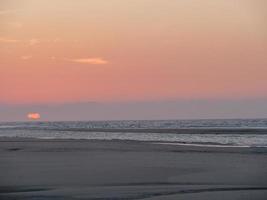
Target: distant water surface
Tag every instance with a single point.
(230, 132)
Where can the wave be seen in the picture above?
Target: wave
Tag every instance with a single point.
(149, 124)
(147, 130)
(209, 145)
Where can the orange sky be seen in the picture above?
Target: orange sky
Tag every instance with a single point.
(132, 50)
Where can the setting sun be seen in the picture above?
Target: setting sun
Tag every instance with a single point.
(34, 116)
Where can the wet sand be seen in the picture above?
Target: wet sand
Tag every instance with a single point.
(119, 170)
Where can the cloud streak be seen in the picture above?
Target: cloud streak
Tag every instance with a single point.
(89, 61)
(8, 40)
(30, 42)
(7, 12)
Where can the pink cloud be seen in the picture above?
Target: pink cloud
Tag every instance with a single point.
(33, 42)
(26, 57)
(91, 61)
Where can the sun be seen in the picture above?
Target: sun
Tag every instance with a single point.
(34, 116)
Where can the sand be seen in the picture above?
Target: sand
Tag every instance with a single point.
(119, 170)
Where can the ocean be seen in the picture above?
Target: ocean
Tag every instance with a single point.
(216, 133)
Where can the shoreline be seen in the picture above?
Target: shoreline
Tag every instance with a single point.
(178, 145)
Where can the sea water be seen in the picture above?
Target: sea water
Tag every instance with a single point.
(221, 132)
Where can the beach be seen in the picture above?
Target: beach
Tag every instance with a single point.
(118, 170)
(133, 100)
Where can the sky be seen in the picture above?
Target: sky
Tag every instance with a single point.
(130, 54)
